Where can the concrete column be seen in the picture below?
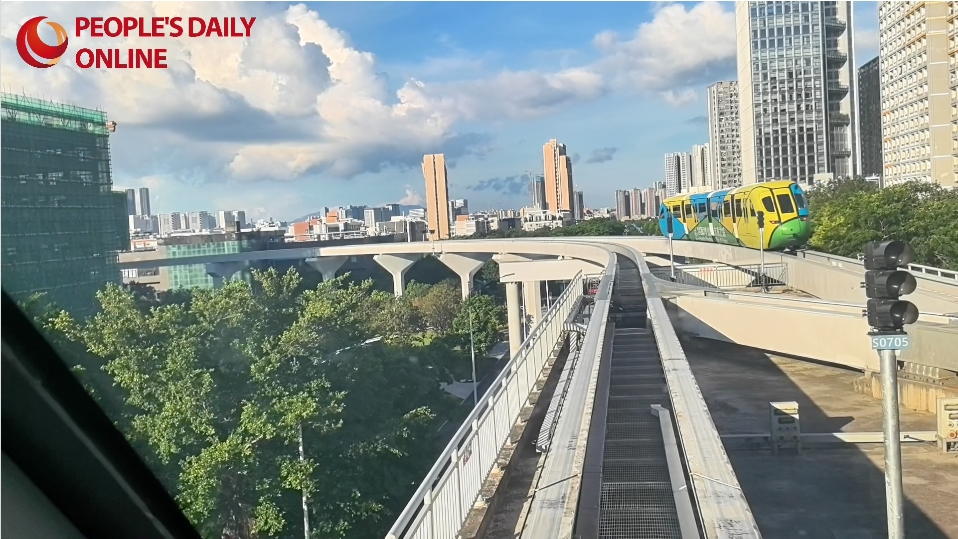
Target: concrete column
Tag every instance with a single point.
(515, 321)
(223, 271)
(327, 265)
(532, 297)
(397, 265)
(466, 266)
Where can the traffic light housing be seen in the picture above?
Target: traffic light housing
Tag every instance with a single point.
(885, 284)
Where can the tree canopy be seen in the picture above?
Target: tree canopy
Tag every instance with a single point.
(846, 214)
(246, 398)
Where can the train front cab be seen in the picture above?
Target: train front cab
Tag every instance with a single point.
(675, 207)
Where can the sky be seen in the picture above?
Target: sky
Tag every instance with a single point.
(335, 103)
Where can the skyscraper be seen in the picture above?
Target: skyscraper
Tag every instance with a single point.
(796, 90)
(701, 166)
(725, 142)
(636, 201)
(919, 103)
(558, 177)
(578, 212)
(144, 201)
(538, 190)
(678, 172)
(869, 118)
(437, 196)
(131, 201)
(623, 208)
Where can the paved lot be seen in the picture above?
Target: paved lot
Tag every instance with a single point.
(830, 491)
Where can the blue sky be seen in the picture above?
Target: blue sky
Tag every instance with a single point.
(335, 103)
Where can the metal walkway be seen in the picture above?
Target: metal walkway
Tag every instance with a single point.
(637, 499)
(634, 488)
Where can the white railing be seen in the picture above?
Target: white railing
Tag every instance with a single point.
(840, 261)
(439, 507)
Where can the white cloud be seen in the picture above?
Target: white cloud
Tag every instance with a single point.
(412, 198)
(298, 100)
(679, 48)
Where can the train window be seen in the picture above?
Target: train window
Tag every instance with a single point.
(799, 200)
(702, 207)
(688, 210)
(751, 209)
(726, 209)
(785, 202)
(738, 207)
(715, 210)
(769, 205)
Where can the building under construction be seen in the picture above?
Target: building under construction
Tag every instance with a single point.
(62, 223)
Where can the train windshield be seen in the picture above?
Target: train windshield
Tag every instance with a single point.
(799, 200)
(785, 203)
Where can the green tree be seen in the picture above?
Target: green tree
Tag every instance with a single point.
(846, 214)
(488, 319)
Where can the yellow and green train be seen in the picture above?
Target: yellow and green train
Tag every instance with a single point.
(729, 216)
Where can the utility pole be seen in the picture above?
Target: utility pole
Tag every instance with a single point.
(761, 246)
(671, 228)
(302, 458)
(887, 314)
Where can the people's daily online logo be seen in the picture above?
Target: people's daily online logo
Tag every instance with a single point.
(40, 54)
(30, 46)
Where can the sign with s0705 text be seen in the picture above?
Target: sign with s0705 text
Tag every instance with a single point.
(890, 342)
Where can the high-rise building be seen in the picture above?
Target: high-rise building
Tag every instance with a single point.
(168, 223)
(919, 100)
(538, 190)
(131, 202)
(457, 207)
(144, 201)
(635, 201)
(578, 209)
(701, 166)
(558, 177)
(200, 220)
(376, 215)
(796, 90)
(725, 142)
(653, 197)
(678, 172)
(623, 209)
(437, 196)
(869, 118)
(62, 223)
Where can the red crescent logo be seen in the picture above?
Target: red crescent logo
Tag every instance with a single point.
(29, 35)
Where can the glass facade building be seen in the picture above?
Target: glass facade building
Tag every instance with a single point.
(869, 109)
(797, 91)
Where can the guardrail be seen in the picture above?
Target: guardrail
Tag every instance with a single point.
(440, 505)
(722, 276)
(840, 261)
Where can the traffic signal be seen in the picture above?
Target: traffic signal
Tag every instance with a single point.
(885, 284)
(761, 220)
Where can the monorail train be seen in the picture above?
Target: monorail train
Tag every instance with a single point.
(729, 216)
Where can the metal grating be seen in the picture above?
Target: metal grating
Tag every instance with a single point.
(648, 470)
(648, 430)
(636, 500)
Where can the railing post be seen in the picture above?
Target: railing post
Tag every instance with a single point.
(427, 507)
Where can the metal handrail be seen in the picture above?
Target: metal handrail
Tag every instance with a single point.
(447, 519)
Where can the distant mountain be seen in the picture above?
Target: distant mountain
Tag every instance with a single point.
(319, 213)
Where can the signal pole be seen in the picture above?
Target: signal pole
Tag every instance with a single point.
(671, 252)
(887, 314)
(761, 245)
